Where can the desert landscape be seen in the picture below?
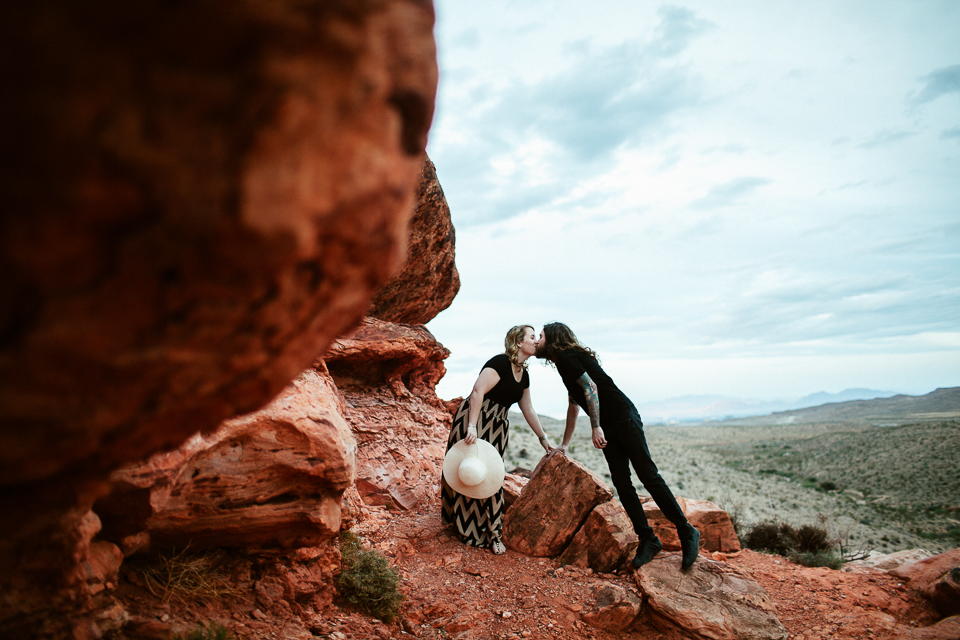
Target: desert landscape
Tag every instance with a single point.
(218, 395)
(880, 474)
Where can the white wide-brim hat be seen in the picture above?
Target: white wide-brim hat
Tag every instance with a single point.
(475, 470)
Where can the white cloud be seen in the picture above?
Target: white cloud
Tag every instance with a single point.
(697, 184)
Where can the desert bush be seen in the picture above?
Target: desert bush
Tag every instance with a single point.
(775, 537)
(213, 631)
(367, 580)
(809, 545)
(812, 539)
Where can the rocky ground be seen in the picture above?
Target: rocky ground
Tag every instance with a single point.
(453, 591)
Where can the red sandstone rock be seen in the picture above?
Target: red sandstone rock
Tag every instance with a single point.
(945, 593)
(102, 564)
(387, 374)
(714, 524)
(428, 281)
(197, 199)
(513, 486)
(946, 629)
(922, 574)
(604, 541)
(271, 478)
(615, 608)
(711, 601)
(553, 506)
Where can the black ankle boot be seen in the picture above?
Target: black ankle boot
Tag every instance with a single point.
(646, 551)
(690, 544)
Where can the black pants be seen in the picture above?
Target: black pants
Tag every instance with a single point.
(625, 444)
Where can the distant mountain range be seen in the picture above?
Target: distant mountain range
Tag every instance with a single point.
(883, 411)
(941, 404)
(700, 408)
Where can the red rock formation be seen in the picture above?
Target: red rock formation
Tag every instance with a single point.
(271, 478)
(387, 374)
(198, 198)
(920, 575)
(604, 541)
(946, 629)
(429, 280)
(614, 609)
(945, 593)
(512, 487)
(716, 528)
(553, 506)
(712, 601)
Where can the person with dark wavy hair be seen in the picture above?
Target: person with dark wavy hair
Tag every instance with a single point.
(618, 431)
(503, 381)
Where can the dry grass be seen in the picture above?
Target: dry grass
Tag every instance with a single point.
(184, 575)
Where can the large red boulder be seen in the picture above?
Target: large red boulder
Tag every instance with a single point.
(713, 601)
(715, 526)
(604, 542)
(198, 198)
(553, 506)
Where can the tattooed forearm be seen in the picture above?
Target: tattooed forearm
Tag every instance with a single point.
(593, 400)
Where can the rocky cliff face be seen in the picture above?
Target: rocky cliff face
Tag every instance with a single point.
(387, 374)
(364, 419)
(198, 200)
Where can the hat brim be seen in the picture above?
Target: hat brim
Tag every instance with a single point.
(490, 457)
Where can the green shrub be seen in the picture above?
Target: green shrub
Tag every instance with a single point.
(808, 545)
(212, 632)
(367, 580)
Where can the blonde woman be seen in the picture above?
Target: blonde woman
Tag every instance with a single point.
(503, 381)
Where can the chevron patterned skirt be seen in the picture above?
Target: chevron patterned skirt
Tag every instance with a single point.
(479, 522)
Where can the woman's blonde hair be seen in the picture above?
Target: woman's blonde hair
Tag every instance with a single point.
(512, 342)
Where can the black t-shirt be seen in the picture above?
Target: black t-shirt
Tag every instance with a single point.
(614, 405)
(507, 390)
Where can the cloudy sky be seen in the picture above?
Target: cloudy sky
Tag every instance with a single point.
(751, 199)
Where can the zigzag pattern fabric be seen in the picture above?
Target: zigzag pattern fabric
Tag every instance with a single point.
(479, 522)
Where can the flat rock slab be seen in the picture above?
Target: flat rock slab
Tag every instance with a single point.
(553, 506)
(713, 600)
(889, 561)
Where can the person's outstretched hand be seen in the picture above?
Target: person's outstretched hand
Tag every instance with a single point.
(599, 441)
(546, 446)
(562, 448)
(471, 435)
